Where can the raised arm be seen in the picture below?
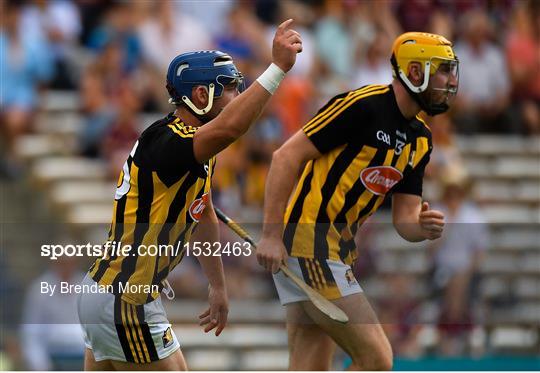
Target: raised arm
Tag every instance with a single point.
(240, 113)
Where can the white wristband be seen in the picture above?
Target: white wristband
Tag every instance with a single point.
(271, 78)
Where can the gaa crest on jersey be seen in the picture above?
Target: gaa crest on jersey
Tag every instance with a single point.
(197, 207)
(380, 179)
(167, 337)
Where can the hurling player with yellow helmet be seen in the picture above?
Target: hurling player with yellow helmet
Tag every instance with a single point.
(328, 178)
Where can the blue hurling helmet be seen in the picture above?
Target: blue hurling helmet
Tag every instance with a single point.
(212, 69)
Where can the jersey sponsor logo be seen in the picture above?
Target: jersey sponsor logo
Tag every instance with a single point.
(197, 207)
(167, 338)
(380, 179)
(383, 136)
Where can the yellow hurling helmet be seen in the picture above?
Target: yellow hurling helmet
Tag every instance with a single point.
(430, 50)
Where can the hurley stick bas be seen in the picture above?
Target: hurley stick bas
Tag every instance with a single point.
(323, 304)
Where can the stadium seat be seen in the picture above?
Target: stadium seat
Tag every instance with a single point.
(265, 360)
(513, 337)
(32, 147)
(74, 192)
(89, 213)
(51, 169)
(60, 101)
(210, 359)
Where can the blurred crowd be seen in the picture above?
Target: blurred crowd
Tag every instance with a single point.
(114, 55)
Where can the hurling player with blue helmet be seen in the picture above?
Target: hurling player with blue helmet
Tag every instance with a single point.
(163, 193)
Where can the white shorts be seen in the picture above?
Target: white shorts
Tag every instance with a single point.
(331, 279)
(116, 330)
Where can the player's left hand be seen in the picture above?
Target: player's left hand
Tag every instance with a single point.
(215, 317)
(431, 222)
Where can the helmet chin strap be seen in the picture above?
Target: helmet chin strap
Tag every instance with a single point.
(430, 108)
(416, 92)
(411, 86)
(195, 109)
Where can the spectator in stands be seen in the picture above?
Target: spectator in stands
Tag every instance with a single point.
(262, 140)
(215, 16)
(168, 32)
(344, 32)
(335, 33)
(522, 46)
(51, 337)
(244, 32)
(122, 134)
(118, 26)
(399, 313)
(414, 15)
(294, 103)
(243, 39)
(165, 31)
(103, 83)
(455, 260)
(442, 23)
(26, 66)
(484, 84)
(445, 154)
(375, 68)
(227, 190)
(59, 22)
(98, 111)
(91, 13)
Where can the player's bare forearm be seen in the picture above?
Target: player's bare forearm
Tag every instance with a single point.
(414, 220)
(231, 123)
(410, 231)
(213, 269)
(405, 219)
(215, 316)
(243, 111)
(208, 231)
(287, 163)
(280, 182)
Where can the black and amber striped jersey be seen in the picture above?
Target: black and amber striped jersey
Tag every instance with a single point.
(368, 149)
(161, 193)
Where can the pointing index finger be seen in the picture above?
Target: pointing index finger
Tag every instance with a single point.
(283, 26)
